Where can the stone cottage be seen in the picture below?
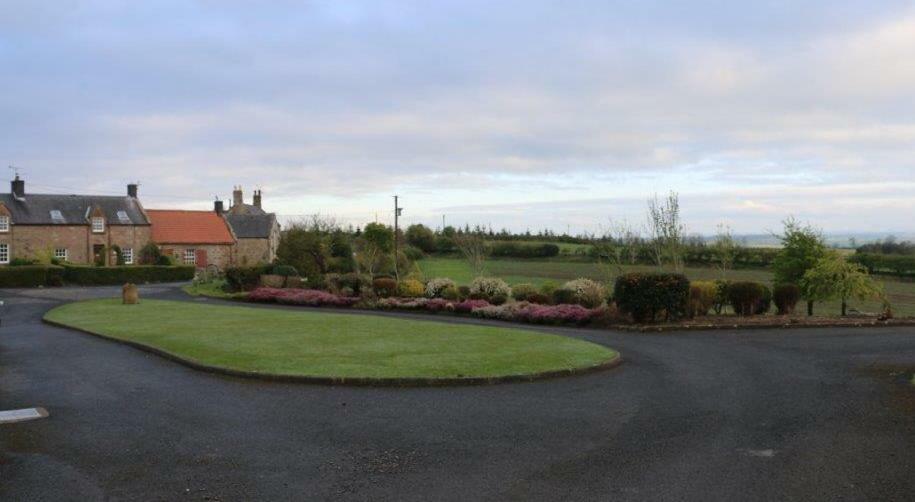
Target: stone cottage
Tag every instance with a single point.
(82, 229)
(200, 238)
(257, 231)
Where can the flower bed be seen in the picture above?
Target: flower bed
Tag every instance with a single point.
(305, 297)
(539, 314)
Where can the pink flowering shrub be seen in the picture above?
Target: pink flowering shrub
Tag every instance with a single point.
(538, 314)
(401, 303)
(306, 297)
(468, 306)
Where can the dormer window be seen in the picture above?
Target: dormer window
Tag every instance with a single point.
(57, 216)
(122, 217)
(98, 224)
(4, 223)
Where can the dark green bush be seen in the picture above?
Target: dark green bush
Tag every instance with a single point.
(786, 297)
(30, 276)
(463, 292)
(245, 278)
(285, 270)
(22, 262)
(139, 274)
(522, 292)
(352, 283)
(647, 296)
(876, 263)
(384, 287)
(538, 298)
(748, 297)
(765, 302)
(564, 296)
(413, 253)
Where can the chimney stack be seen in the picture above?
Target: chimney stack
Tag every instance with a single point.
(217, 206)
(236, 197)
(17, 187)
(132, 190)
(257, 198)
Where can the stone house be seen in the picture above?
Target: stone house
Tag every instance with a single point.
(257, 231)
(201, 238)
(82, 229)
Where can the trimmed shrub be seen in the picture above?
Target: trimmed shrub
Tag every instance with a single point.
(489, 288)
(435, 287)
(721, 296)
(539, 299)
(31, 276)
(411, 288)
(764, 305)
(585, 292)
(647, 296)
(747, 297)
(244, 278)
(468, 306)
(451, 293)
(548, 287)
(138, 274)
(463, 292)
(538, 314)
(702, 296)
(786, 297)
(522, 292)
(384, 287)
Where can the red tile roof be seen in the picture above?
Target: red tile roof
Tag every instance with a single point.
(188, 227)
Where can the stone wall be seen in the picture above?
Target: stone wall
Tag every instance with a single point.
(40, 241)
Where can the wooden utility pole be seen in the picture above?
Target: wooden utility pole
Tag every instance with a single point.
(397, 210)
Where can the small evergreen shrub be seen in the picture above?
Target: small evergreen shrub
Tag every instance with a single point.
(786, 297)
(585, 292)
(243, 278)
(384, 287)
(646, 297)
(764, 305)
(747, 297)
(721, 296)
(521, 292)
(349, 284)
(702, 296)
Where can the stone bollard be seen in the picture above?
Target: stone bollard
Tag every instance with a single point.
(130, 294)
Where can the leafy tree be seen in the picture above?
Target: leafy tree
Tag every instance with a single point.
(802, 247)
(304, 248)
(833, 277)
(422, 237)
(374, 248)
(666, 231)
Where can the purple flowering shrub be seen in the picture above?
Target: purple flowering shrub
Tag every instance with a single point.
(306, 297)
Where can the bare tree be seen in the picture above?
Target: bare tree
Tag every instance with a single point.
(473, 247)
(725, 249)
(666, 231)
(618, 247)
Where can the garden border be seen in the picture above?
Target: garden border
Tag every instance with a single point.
(348, 381)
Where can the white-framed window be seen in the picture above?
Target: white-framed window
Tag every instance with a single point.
(190, 256)
(98, 224)
(4, 253)
(60, 253)
(4, 223)
(127, 253)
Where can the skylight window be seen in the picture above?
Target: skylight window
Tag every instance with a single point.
(122, 216)
(57, 216)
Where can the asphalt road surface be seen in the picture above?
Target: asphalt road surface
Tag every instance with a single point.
(822, 414)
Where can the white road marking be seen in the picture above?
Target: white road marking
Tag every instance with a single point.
(758, 453)
(13, 416)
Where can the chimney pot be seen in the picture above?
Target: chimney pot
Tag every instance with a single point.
(237, 196)
(132, 190)
(217, 207)
(17, 187)
(257, 198)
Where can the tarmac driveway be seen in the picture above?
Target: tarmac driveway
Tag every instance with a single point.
(818, 414)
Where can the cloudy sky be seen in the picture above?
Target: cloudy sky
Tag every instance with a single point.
(506, 113)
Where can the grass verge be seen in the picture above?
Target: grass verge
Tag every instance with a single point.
(330, 346)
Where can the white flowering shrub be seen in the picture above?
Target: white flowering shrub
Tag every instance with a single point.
(490, 288)
(435, 288)
(586, 292)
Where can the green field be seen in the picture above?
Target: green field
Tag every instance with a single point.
(901, 293)
(321, 344)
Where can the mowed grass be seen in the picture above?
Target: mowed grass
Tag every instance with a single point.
(322, 344)
(901, 293)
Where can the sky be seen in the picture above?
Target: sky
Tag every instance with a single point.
(526, 114)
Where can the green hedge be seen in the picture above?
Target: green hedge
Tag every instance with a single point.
(138, 274)
(247, 278)
(522, 250)
(897, 264)
(31, 276)
(647, 296)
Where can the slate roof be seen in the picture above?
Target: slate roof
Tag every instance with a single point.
(35, 209)
(252, 226)
(246, 209)
(188, 227)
